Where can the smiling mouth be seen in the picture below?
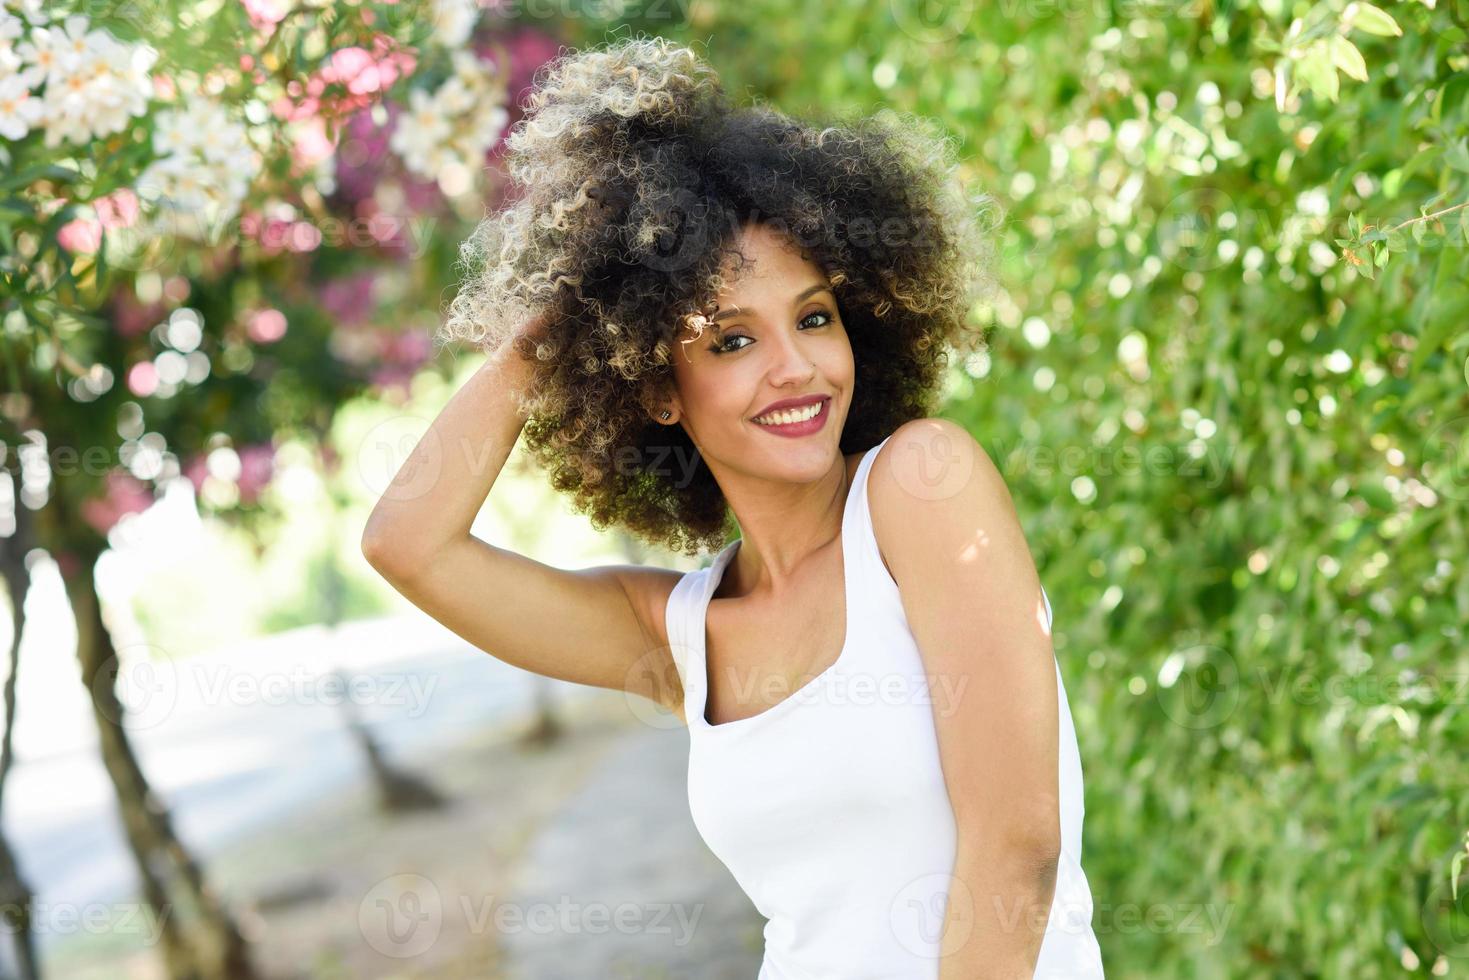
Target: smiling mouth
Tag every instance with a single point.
(794, 416)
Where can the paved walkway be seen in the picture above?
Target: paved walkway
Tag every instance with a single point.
(620, 885)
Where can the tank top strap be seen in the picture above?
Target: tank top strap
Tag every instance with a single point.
(689, 594)
(869, 580)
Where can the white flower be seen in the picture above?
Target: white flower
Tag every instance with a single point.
(453, 21)
(471, 69)
(10, 28)
(204, 167)
(454, 97)
(94, 84)
(19, 110)
(491, 123)
(420, 132)
(219, 139)
(444, 135)
(12, 67)
(74, 40)
(33, 10)
(45, 59)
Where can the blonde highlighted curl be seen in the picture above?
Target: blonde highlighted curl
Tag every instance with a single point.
(634, 174)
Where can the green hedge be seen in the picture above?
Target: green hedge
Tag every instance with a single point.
(1234, 415)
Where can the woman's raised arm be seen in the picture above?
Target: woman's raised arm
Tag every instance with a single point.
(600, 626)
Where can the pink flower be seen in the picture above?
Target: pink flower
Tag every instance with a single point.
(130, 317)
(197, 471)
(364, 75)
(266, 326)
(143, 379)
(80, 236)
(257, 466)
(122, 495)
(391, 378)
(265, 14)
(356, 68)
(118, 209)
(274, 234)
(310, 143)
(409, 349)
(350, 300)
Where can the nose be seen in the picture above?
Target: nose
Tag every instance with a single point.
(793, 365)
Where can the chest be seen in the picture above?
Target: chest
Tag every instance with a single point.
(854, 769)
(758, 654)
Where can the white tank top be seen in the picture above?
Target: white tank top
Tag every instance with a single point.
(830, 808)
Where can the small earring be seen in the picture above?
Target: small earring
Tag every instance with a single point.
(665, 415)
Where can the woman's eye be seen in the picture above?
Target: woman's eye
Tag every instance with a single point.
(724, 348)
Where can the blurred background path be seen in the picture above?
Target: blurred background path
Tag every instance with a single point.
(573, 858)
(630, 886)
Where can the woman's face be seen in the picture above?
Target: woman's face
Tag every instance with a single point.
(776, 334)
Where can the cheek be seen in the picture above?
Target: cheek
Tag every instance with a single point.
(840, 363)
(714, 391)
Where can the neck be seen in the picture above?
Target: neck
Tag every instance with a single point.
(782, 527)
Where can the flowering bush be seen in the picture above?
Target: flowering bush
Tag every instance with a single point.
(162, 168)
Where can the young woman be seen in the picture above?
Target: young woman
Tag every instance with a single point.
(694, 311)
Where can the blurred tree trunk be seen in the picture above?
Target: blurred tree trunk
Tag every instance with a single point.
(397, 790)
(16, 896)
(545, 727)
(205, 943)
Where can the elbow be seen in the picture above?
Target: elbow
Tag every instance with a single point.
(1042, 845)
(1047, 859)
(373, 550)
(1042, 855)
(377, 545)
(1022, 850)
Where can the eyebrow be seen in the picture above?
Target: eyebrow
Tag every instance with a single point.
(736, 311)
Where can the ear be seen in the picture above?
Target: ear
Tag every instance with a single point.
(657, 407)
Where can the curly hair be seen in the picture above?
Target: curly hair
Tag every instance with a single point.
(632, 177)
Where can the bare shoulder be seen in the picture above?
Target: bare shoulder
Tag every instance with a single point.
(929, 470)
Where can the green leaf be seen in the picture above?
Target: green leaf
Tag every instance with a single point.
(1344, 55)
(1392, 182)
(1373, 20)
(1282, 83)
(1317, 71)
(49, 171)
(1421, 159)
(1437, 321)
(1379, 499)
(1457, 155)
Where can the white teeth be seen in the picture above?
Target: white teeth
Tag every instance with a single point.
(794, 415)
